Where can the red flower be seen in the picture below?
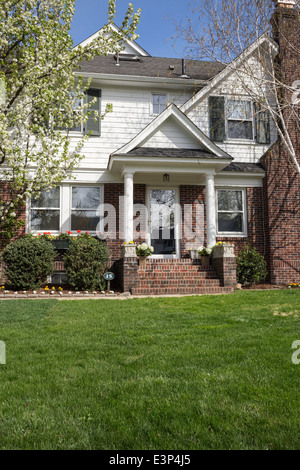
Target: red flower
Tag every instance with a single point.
(78, 231)
(87, 232)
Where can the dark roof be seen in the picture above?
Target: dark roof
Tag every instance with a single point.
(170, 152)
(152, 67)
(245, 167)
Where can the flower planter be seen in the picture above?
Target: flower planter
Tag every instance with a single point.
(223, 251)
(128, 251)
(205, 261)
(143, 261)
(61, 244)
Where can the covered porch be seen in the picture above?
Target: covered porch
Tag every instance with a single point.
(168, 218)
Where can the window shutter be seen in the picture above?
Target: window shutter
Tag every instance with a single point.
(262, 125)
(92, 125)
(217, 118)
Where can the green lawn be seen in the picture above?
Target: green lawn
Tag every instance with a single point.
(211, 372)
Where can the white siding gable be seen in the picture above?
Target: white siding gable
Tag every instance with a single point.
(171, 135)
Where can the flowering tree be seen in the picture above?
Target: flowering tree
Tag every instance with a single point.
(223, 31)
(41, 98)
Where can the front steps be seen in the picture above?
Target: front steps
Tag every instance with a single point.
(177, 276)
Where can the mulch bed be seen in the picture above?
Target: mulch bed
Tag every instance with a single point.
(67, 293)
(265, 286)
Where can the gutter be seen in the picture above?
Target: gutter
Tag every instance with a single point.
(137, 78)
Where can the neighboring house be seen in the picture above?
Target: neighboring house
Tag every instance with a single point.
(180, 134)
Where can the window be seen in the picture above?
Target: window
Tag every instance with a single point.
(67, 208)
(45, 211)
(231, 212)
(239, 115)
(93, 124)
(159, 103)
(232, 119)
(85, 213)
(79, 126)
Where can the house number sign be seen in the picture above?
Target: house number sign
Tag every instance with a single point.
(109, 276)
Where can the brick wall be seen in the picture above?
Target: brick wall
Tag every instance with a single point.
(112, 193)
(282, 182)
(5, 195)
(255, 223)
(255, 216)
(191, 195)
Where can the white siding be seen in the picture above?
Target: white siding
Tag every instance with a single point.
(242, 151)
(171, 135)
(131, 114)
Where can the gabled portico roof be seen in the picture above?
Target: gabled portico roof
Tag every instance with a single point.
(137, 156)
(184, 122)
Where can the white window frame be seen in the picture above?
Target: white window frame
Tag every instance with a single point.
(100, 207)
(236, 139)
(65, 210)
(73, 132)
(28, 214)
(159, 93)
(242, 234)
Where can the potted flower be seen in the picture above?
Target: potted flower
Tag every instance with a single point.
(143, 251)
(204, 253)
(46, 236)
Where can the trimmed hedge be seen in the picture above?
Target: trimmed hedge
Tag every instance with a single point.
(29, 261)
(85, 262)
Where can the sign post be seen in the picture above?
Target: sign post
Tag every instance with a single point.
(109, 277)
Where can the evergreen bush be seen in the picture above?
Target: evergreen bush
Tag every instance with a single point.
(28, 263)
(251, 267)
(85, 262)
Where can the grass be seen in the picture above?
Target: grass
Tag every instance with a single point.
(211, 372)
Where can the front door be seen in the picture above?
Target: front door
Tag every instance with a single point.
(163, 223)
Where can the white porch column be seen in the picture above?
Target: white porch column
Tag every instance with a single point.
(128, 207)
(210, 210)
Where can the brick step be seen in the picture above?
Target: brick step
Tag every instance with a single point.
(179, 265)
(179, 283)
(178, 275)
(180, 290)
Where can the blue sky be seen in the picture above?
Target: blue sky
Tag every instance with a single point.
(155, 29)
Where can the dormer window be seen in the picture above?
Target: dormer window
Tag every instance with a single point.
(159, 103)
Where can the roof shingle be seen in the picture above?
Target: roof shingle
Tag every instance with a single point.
(152, 67)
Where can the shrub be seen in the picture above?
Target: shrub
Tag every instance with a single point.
(251, 267)
(28, 262)
(85, 262)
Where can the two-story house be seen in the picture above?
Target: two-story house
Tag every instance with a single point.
(180, 162)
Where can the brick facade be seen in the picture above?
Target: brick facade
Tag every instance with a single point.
(5, 195)
(282, 182)
(112, 194)
(194, 195)
(273, 211)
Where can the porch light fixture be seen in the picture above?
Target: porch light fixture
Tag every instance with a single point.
(166, 178)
